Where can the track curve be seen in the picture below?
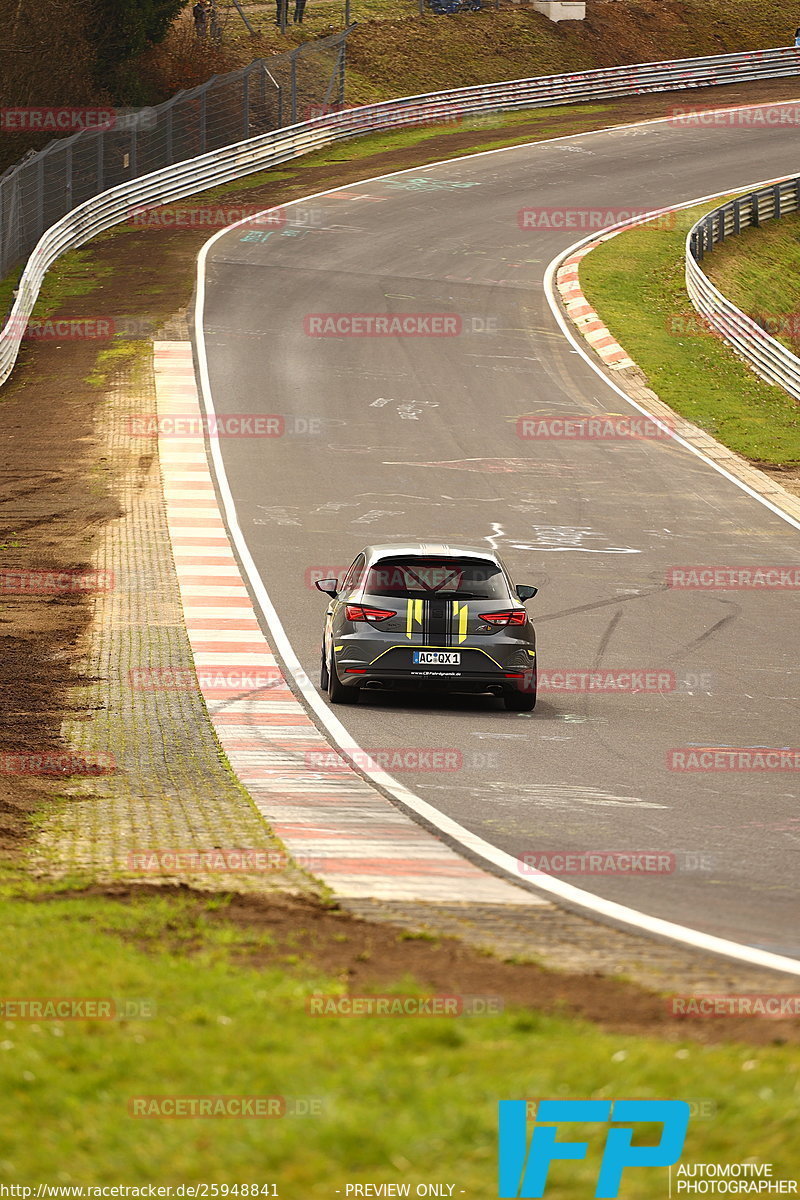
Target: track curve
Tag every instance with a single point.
(417, 438)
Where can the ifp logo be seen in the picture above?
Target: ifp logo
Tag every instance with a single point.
(524, 1169)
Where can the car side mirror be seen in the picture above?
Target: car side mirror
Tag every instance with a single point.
(328, 586)
(524, 592)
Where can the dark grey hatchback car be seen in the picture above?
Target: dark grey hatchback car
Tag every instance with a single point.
(431, 616)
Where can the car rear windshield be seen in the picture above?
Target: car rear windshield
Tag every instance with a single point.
(436, 579)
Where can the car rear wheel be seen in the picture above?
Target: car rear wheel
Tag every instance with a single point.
(522, 701)
(337, 692)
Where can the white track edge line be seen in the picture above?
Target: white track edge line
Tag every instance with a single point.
(333, 727)
(567, 328)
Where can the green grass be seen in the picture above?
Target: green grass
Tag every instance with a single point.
(636, 283)
(759, 270)
(537, 123)
(76, 273)
(402, 1099)
(395, 51)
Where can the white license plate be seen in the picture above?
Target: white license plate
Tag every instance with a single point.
(437, 658)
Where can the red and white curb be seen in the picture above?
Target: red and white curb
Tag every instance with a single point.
(332, 821)
(584, 316)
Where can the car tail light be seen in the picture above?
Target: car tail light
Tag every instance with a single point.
(360, 612)
(510, 616)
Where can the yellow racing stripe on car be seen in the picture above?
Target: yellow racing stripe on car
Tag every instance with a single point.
(461, 615)
(413, 614)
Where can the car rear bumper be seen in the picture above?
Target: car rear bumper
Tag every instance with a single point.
(503, 665)
(474, 682)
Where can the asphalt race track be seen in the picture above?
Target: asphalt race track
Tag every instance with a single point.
(416, 438)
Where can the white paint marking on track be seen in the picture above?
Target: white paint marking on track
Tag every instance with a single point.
(619, 914)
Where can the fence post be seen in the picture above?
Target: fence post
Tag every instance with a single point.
(168, 137)
(246, 103)
(341, 69)
(134, 146)
(39, 197)
(293, 62)
(776, 201)
(68, 180)
(266, 74)
(16, 211)
(100, 161)
(203, 95)
(755, 219)
(737, 216)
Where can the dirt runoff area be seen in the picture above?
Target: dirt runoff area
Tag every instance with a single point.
(305, 936)
(55, 494)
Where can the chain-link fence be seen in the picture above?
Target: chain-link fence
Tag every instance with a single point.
(268, 94)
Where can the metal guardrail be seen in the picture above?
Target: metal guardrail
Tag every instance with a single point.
(267, 94)
(750, 340)
(233, 162)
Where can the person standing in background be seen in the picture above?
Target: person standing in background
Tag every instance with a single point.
(200, 18)
(797, 37)
(213, 23)
(299, 9)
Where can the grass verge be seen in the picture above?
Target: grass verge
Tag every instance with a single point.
(636, 283)
(407, 1098)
